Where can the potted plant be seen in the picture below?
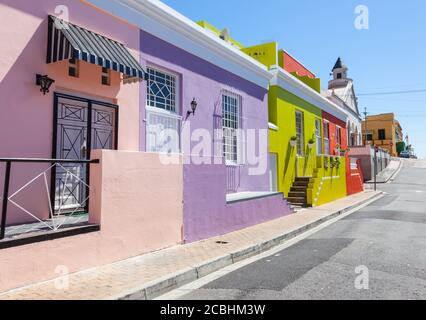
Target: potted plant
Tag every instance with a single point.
(337, 149)
(331, 160)
(326, 162)
(343, 151)
(337, 163)
(311, 143)
(293, 141)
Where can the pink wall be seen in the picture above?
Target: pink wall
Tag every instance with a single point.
(26, 115)
(290, 64)
(137, 199)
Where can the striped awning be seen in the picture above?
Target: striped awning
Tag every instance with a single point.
(66, 41)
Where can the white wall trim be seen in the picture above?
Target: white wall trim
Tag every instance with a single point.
(290, 83)
(273, 126)
(158, 19)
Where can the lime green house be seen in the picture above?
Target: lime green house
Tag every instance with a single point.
(299, 138)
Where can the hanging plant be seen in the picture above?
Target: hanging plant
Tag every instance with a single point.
(311, 143)
(337, 150)
(325, 162)
(293, 141)
(337, 163)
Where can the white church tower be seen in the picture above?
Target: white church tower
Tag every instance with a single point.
(341, 91)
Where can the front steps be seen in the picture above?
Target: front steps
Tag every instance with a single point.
(297, 196)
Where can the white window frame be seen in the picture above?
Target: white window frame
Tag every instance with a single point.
(236, 157)
(339, 136)
(318, 135)
(326, 129)
(300, 135)
(167, 115)
(177, 110)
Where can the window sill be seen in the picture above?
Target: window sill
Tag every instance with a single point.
(164, 112)
(233, 164)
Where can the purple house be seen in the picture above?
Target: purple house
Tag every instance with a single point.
(224, 142)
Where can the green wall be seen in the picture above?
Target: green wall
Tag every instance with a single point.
(282, 112)
(264, 53)
(329, 181)
(215, 30)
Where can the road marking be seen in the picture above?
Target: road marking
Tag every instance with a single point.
(186, 289)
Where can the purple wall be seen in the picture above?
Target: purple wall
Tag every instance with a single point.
(206, 213)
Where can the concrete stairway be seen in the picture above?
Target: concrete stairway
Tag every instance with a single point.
(297, 196)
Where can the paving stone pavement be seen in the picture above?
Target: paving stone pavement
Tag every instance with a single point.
(109, 281)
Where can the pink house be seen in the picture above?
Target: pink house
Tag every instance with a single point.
(93, 104)
(81, 92)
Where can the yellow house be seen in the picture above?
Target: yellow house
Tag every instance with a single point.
(299, 145)
(383, 130)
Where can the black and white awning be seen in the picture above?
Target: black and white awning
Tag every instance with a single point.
(66, 41)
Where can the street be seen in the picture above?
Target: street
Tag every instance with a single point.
(385, 243)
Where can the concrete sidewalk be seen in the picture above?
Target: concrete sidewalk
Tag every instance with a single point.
(387, 174)
(153, 274)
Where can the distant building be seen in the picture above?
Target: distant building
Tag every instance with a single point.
(341, 91)
(383, 130)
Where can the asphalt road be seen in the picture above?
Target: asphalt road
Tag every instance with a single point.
(386, 240)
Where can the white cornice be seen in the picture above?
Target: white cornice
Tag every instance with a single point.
(290, 83)
(339, 102)
(167, 24)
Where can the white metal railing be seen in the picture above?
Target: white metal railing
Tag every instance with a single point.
(163, 131)
(57, 218)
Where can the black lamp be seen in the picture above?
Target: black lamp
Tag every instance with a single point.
(194, 105)
(44, 82)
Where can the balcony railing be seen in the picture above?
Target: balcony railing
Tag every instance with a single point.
(59, 217)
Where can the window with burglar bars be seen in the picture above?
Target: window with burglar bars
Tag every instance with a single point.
(338, 136)
(163, 133)
(300, 133)
(326, 138)
(161, 90)
(231, 113)
(318, 136)
(162, 119)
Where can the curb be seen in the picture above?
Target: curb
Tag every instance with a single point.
(158, 287)
(391, 177)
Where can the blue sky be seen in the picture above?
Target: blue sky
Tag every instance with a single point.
(389, 56)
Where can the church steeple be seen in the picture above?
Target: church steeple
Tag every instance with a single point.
(340, 71)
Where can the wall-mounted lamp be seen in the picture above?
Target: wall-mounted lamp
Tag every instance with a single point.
(194, 105)
(44, 82)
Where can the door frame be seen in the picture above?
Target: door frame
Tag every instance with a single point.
(89, 102)
(275, 156)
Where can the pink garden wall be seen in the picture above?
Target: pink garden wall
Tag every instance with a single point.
(138, 202)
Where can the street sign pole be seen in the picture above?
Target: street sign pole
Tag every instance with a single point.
(376, 150)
